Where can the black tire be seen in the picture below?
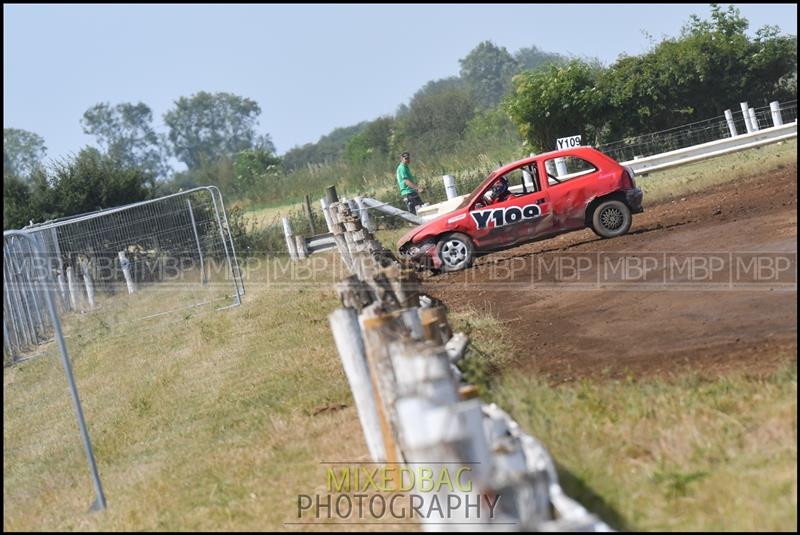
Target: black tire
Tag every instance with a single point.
(611, 218)
(455, 251)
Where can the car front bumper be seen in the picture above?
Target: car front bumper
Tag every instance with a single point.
(425, 255)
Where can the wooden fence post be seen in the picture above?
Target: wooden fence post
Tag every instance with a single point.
(309, 214)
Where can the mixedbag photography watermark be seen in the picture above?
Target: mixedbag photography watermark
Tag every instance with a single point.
(395, 493)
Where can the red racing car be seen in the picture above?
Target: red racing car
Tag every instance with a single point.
(531, 199)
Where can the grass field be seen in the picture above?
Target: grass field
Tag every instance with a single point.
(271, 215)
(689, 454)
(685, 179)
(217, 420)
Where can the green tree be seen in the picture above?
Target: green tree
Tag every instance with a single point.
(329, 148)
(125, 133)
(87, 182)
(712, 66)
(488, 70)
(554, 102)
(22, 152)
(16, 202)
(533, 57)
(436, 120)
(490, 127)
(372, 142)
(90, 181)
(253, 170)
(208, 126)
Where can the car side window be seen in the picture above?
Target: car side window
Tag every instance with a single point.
(560, 170)
(523, 180)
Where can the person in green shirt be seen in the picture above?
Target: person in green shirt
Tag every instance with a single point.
(407, 183)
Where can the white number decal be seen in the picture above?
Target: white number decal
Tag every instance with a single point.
(504, 216)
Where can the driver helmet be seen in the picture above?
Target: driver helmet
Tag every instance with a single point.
(500, 189)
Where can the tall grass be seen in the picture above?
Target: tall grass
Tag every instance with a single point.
(200, 420)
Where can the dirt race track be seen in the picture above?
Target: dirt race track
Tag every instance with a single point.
(705, 282)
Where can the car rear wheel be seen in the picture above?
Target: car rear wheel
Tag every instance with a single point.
(611, 218)
(456, 252)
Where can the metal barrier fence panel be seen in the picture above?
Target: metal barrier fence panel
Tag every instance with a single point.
(170, 253)
(39, 284)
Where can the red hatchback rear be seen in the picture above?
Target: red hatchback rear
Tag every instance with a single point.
(528, 200)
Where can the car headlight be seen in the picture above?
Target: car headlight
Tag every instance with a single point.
(415, 251)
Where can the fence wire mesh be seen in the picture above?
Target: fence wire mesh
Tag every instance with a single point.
(692, 134)
(161, 255)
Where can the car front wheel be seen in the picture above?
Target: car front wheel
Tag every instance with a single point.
(456, 252)
(611, 218)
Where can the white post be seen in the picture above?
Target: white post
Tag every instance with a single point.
(366, 222)
(731, 124)
(347, 335)
(126, 270)
(561, 166)
(775, 108)
(527, 178)
(746, 115)
(290, 244)
(753, 119)
(73, 291)
(300, 247)
(87, 281)
(62, 290)
(450, 187)
(325, 212)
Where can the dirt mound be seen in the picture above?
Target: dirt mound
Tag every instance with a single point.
(704, 282)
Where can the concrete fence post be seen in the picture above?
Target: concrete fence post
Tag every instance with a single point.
(561, 166)
(62, 290)
(775, 108)
(746, 115)
(73, 291)
(347, 335)
(290, 243)
(87, 281)
(527, 178)
(450, 187)
(745, 108)
(126, 271)
(753, 119)
(731, 124)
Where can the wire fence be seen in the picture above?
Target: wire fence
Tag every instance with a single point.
(172, 252)
(692, 134)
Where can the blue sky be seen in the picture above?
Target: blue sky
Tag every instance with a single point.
(311, 68)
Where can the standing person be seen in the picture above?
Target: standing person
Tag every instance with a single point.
(408, 187)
